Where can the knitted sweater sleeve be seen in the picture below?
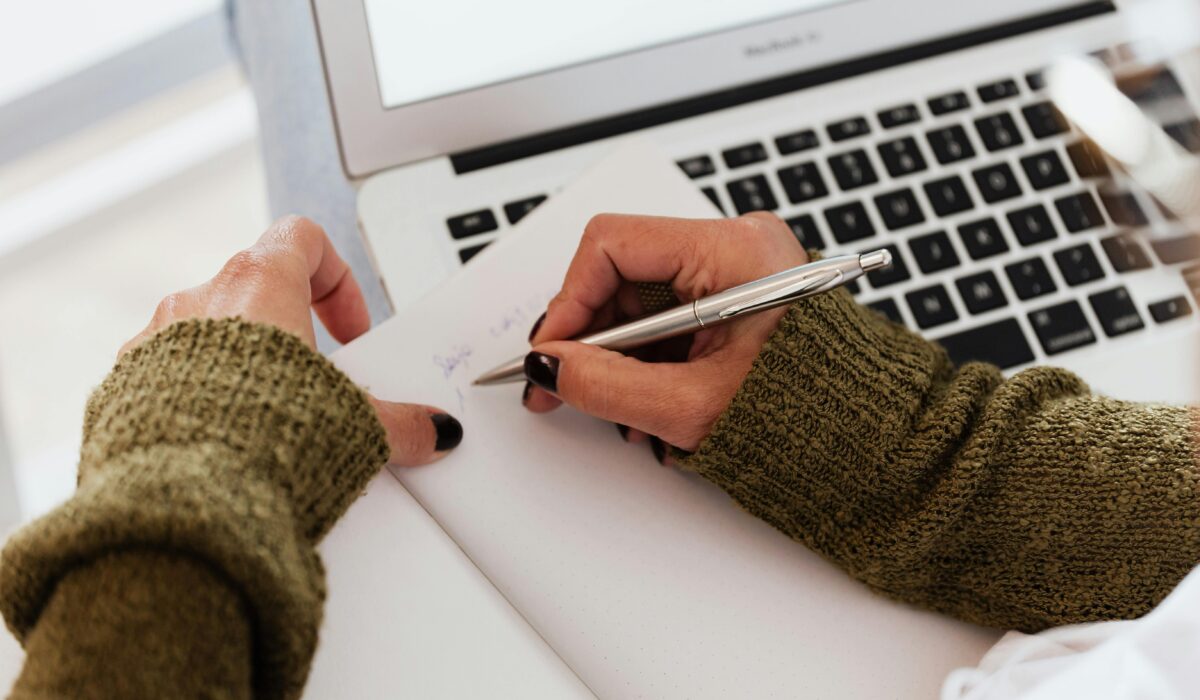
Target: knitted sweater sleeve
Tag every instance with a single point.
(1022, 503)
(215, 456)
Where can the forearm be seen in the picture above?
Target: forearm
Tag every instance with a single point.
(1022, 503)
(227, 450)
(140, 624)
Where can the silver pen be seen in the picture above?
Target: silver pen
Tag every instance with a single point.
(750, 298)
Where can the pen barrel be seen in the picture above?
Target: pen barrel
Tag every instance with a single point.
(778, 290)
(652, 329)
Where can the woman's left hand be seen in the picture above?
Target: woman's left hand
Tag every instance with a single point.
(291, 269)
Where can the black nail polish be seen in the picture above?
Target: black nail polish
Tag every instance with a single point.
(542, 370)
(537, 325)
(449, 431)
(659, 448)
(624, 431)
(527, 393)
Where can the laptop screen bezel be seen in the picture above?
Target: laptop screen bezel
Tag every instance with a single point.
(373, 138)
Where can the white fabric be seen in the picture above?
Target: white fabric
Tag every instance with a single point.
(1155, 657)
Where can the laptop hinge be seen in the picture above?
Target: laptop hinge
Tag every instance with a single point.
(525, 147)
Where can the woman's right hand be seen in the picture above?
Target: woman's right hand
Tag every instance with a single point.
(680, 400)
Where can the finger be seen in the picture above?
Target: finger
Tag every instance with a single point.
(335, 293)
(661, 399)
(617, 248)
(417, 434)
(697, 258)
(172, 308)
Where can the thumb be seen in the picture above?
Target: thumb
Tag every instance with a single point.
(417, 434)
(654, 398)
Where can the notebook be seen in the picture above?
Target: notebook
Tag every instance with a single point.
(638, 580)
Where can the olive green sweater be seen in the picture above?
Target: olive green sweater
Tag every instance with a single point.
(218, 453)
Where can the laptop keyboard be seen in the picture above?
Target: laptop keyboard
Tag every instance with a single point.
(992, 208)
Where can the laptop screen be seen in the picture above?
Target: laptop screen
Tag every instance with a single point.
(440, 48)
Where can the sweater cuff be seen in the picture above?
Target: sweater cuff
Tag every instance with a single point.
(286, 411)
(225, 440)
(831, 394)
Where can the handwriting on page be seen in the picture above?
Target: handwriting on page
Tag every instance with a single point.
(455, 362)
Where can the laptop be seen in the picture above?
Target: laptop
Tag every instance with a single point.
(922, 126)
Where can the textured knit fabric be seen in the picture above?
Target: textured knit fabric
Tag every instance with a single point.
(1023, 504)
(214, 457)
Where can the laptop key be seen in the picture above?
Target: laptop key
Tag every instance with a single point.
(999, 132)
(1123, 208)
(1080, 212)
(848, 129)
(899, 209)
(1186, 134)
(952, 102)
(887, 276)
(466, 254)
(796, 142)
(849, 222)
(1116, 312)
(1062, 327)
(752, 194)
(1036, 80)
(853, 170)
(981, 292)
(931, 306)
(997, 183)
(1170, 309)
(1000, 90)
(899, 116)
(933, 252)
(888, 308)
(902, 157)
(1045, 170)
(1191, 277)
(1079, 264)
(473, 224)
(698, 166)
(803, 183)
(711, 193)
(951, 145)
(1032, 225)
(1088, 160)
(1178, 249)
(982, 239)
(741, 156)
(1162, 86)
(1030, 278)
(515, 211)
(1002, 343)
(949, 196)
(1044, 120)
(804, 228)
(1125, 253)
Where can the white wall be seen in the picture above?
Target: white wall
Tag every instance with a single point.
(9, 512)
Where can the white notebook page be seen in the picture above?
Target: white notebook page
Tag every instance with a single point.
(648, 582)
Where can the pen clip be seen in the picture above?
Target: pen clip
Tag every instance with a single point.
(792, 292)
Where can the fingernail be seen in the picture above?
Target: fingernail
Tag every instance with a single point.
(537, 325)
(659, 448)
(624, 431)
(528, 391)
(542, 370)
(449, 431)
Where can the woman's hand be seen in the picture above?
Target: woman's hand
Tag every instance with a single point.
(292, 268)
(677, 401)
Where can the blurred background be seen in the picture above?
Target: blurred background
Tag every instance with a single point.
(129, 168)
